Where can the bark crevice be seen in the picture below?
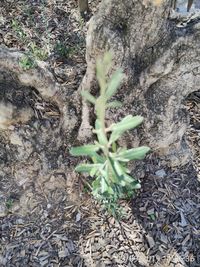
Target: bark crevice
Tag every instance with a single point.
(161, 63)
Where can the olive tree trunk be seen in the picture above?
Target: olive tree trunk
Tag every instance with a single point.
(161, 63)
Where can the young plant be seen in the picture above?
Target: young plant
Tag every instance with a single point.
(108, 161)
(27, 62)
(18, 30)
(37, 52)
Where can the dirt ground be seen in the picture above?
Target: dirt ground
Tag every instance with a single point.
(47, 217)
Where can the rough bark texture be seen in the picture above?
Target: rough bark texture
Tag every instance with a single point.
(40, 78)
(39, 122)
(35, 126)
(161, 62)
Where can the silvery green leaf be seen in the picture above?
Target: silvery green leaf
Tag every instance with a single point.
(129, 122)
(114, 83)
(104, 185)
(115, 156)
(128, 178)
(114, 137)
(114, 104)
(125, 169)
(103, 172)
(124, 178)
(114, 147)
(114, 176)
(133, 154)
(88, 97)
(96, 186)
(95, 170)
(136, 185)
(118, 168)
(86, 150)
(96, 158)
(86, 167)
(110, 190)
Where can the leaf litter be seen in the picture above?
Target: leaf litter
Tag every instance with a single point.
(47, 221)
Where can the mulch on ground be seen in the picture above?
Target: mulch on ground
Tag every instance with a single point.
(41, 222)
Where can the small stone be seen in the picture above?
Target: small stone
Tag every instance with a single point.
(63, 253)
(15, 139)
(19, 221)
(15, 208)
(158, 257)
(44, 215)
(150, 211)
(11, 128)
(183, 222)
(142, 208)
(78, 217)
(48, 206)
(3, 261)
(2, 210)
(150, 241)
(23, 253)
(44, 263)
(160, 173)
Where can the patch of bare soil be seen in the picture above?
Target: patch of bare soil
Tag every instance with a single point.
(46, 217)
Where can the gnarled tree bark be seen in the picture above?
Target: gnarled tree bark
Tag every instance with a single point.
(40, 78)
(161, 63)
